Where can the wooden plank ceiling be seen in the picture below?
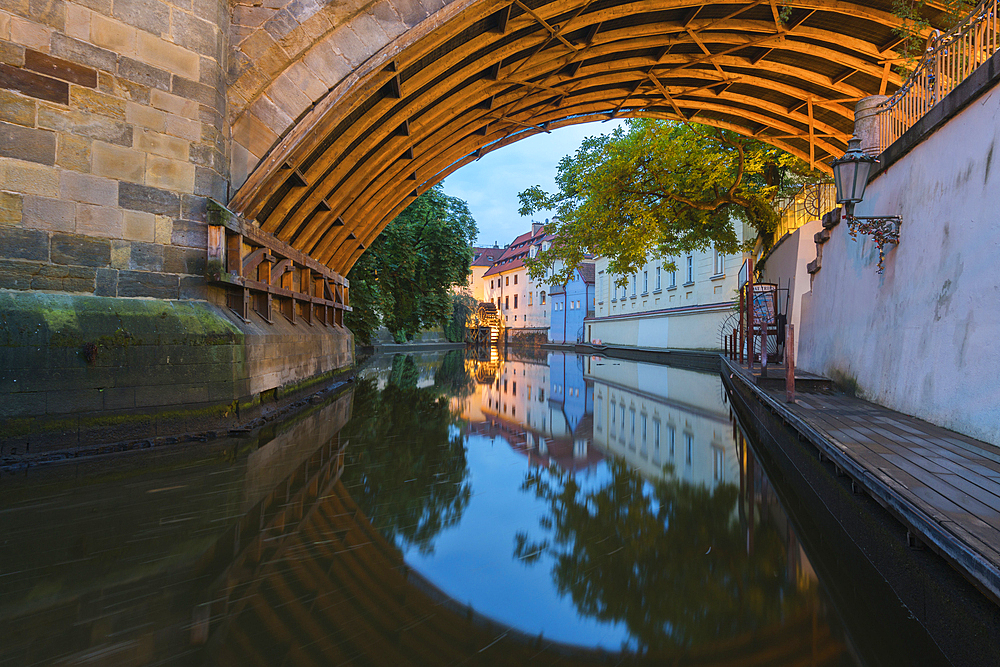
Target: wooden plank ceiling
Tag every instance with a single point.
(498, 72)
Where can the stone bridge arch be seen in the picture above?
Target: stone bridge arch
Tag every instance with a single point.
(341, 114)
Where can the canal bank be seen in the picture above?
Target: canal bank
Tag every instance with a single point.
(859, 506)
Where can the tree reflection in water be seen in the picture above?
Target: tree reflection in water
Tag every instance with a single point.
(667, 558)
(405, 464)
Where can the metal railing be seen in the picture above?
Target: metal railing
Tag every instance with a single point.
(810, 203)
(950, 58)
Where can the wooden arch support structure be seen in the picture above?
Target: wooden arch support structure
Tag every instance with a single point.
(479, 75)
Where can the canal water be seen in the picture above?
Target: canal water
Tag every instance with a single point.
(526, 508)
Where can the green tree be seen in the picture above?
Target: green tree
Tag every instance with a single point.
(463, 305)
(405, 279)
(660, 187)
(668, 559)
(406, 466)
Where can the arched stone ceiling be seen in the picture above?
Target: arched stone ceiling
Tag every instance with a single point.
(345, 131)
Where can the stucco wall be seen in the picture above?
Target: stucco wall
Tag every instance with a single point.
(786, 267)
(922, 337)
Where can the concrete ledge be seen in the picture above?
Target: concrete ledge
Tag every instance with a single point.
(78, 370)
(699, 360)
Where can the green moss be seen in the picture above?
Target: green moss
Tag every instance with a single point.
(846, 382)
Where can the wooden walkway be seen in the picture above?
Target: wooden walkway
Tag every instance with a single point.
(943, 486)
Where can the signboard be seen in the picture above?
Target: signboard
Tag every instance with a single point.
(764, 302)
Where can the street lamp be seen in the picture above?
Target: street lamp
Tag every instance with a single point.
(850, 177)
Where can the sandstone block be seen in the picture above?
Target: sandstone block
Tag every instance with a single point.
(12, 54)
(95, 102)
(83, 53)
(141, 115)
(173, 104)
(208, 183)
(64, 278)
(146, 257)
(17, 243)
(194, 208)
(329, 66)
(33, 85)
(50, 12)
(16, 275)
(189, 261)
(164, 229)
(138, 226)
(170, 174)
(88, 189)
(54, 215)
(183, 128)
(281, 24)
(195, 34)
(30, 34)
(140, 283)
(73, 152)
(190, 234)
(99, 221)
(148, 15)
(27, 144)
(17, 109)
(29, 178)
(121, 254)
(193, 287)
(175, 59)
(117, 162)
(102, 7)
(10, 208)
(162, 145)
(77, 21)
(207, 156)
(144, 74)
(113, 35)
(5, 26)
(193, 90)
(59, 68)
(210, 10)
(84, 124)
(151, 200)
(106, 282)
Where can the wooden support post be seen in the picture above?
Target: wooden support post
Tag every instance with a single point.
(216, 247)
(763, 348)
(790, 363)
(742, 323)
(234, 254)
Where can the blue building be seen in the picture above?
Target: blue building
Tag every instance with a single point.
(570, 304)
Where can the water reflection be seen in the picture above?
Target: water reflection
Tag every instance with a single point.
(445, 510)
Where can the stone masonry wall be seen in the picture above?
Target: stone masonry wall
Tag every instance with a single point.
(112, 135)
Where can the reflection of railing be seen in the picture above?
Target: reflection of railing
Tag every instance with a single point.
(810, 203)
(949, 59)
(258, 269)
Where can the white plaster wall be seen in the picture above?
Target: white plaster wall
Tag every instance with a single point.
(786, 266)
(924, 337)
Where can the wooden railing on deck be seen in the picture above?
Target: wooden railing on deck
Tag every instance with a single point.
(808, 204)
(265, 274)
(950, 58)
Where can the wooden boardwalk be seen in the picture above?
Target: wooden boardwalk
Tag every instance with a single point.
(943, 486)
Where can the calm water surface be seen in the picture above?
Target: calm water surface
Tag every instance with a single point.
(531, 509)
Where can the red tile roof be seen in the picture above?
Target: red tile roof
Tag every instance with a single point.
(515, 254)
(486, 256)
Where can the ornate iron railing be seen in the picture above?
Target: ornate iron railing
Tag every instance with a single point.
(263, 274)
(810, 203)
(950, 58)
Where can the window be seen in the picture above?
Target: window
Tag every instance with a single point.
(688, 447)
(657, 278)
(515, 280)
(515, 296)
(673, 278)
(645, 282)
(542, 298)
(631, 434)
(491, 284)
(598, 414)
(514, 389)
(614, 411)
(656, 441)
(507, 302)
(690, 269)
(600, 284)
(621, 412)
(720, 263)
(635, 276)
(531, 298)
(670, 440)
(505, 386)
(507, 280)
(718, 463)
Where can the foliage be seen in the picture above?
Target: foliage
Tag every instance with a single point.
(452, 376)
(916, 24)
(463, 306)
(406, 465)
(668, 559)
(405, 279)
(660, 187)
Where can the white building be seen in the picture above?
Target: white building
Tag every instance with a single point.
(523, 303)
(662, 309)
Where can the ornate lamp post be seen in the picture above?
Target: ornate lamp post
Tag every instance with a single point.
(850, 177)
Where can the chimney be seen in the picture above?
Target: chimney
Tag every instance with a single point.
(537, 227)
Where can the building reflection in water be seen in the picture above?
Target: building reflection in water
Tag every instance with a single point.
(288, 548)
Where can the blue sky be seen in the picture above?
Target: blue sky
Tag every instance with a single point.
(490, 185)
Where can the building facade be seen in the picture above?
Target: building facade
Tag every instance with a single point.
(571, 304)
(523, 303)
(660, 308)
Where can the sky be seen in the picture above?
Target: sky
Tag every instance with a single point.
(490, 185)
